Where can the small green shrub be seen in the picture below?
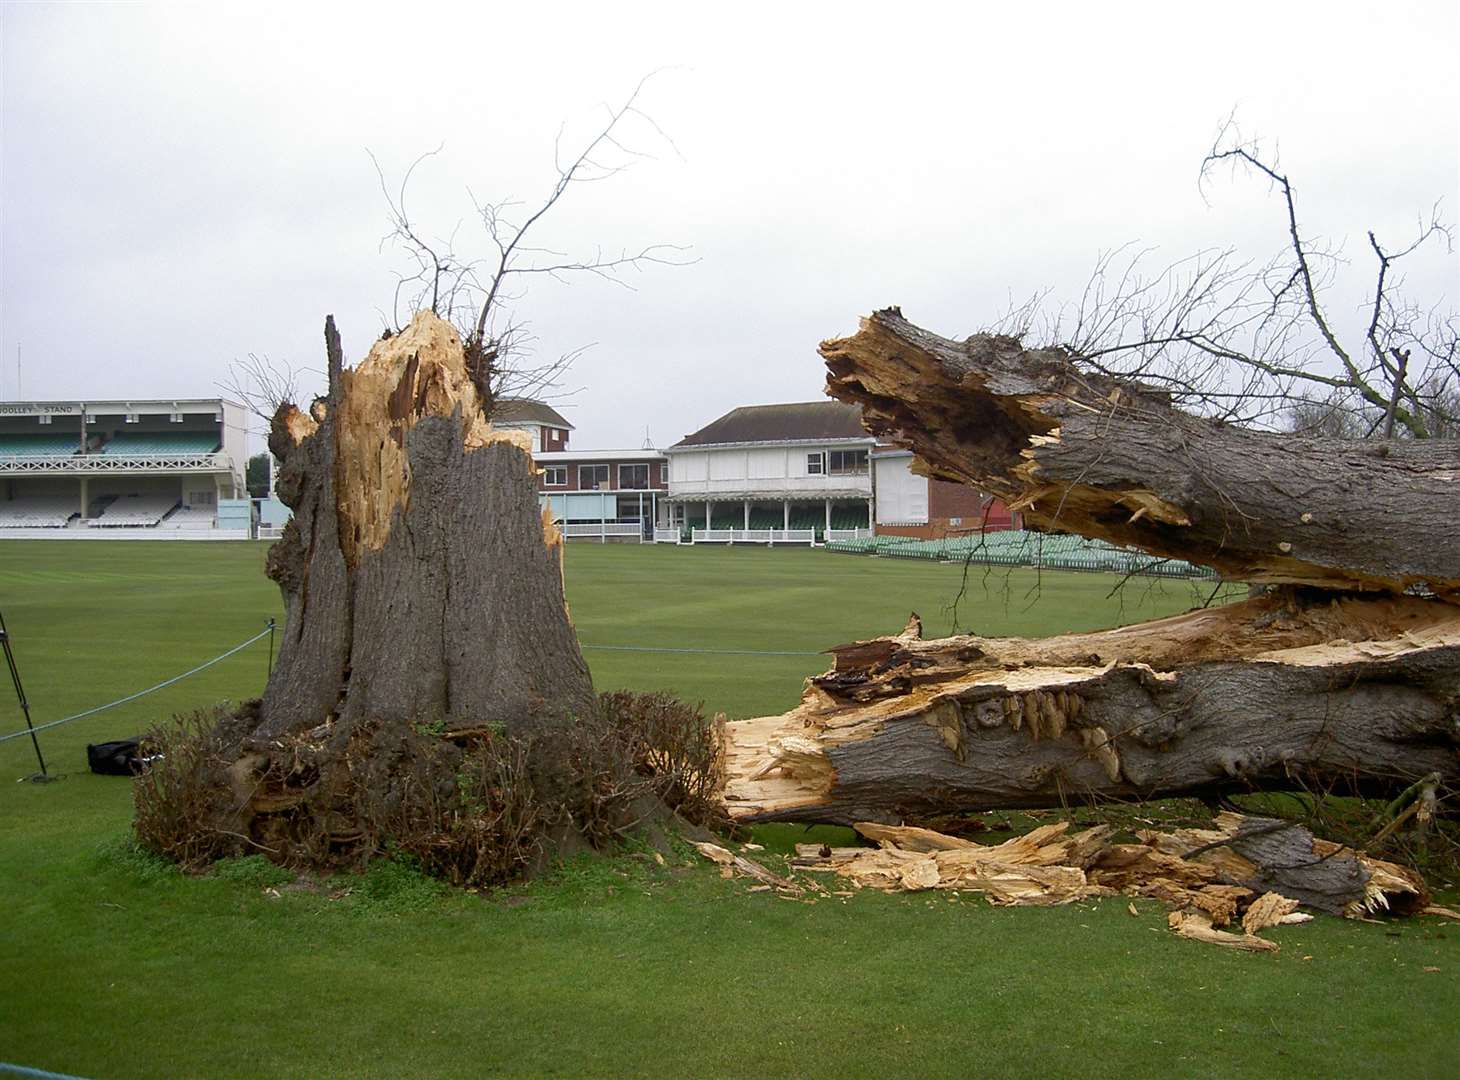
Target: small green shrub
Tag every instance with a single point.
(252, 870)
(396, 885)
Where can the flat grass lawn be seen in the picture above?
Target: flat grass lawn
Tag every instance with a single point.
(114, 965)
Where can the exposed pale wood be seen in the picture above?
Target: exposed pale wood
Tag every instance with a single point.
(1197, 925)
(749, 867)
(1211, 878)
(1079, 452)
(1269, 909)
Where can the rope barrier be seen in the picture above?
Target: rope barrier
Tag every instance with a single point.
(150, 690)
(265, 633)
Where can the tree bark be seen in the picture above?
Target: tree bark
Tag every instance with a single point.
(422, 584)
(1292, 689)
(425, 614)
(1079, 452)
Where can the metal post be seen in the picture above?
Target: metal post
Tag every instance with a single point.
(41, 777)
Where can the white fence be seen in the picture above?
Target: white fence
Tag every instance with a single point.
(848, 534)
(602, 530)
(666, 536)
(752, 536)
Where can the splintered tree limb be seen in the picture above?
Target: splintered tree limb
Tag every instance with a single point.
(1284, 691)
(1080, 452)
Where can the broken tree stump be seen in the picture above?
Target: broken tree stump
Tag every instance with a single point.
(422, 584)
(429, 691)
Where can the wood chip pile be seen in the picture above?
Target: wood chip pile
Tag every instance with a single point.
(1244, 873)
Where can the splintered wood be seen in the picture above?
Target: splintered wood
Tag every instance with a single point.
(419, 372)
(1231, 874)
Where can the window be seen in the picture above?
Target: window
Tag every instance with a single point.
(131, 418)
(815, 463)
(847, 463)
(555, 476)
(201, 498)
(634, 477)
(664, 472)
(592, 477)
(176, 417)
(43, 418)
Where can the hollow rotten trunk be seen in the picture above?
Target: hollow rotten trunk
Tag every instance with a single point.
(1345, 676)
(423, 592)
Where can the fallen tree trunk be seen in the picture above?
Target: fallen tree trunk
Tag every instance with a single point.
(1079, 452)
(1341, 679)
(1293, 689)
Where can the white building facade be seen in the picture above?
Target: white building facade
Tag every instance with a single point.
(795, 467)
(102, 465)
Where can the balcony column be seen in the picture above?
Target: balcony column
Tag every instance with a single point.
(84, 500)
(786, 514)
(707, 512)
(828, 513)
(747, 515)
(871, 517)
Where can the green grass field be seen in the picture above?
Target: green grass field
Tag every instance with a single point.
(114, 965)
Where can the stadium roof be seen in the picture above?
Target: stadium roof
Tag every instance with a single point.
(800, 421)
(527, 411)
(112, 405)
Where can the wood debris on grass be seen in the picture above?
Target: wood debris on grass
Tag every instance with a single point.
(1251, 872)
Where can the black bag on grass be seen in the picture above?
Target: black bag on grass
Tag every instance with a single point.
(120, 758)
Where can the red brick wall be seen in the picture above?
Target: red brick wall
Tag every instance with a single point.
(656, 479)
(947, 502)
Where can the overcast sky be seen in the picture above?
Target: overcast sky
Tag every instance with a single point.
(187, 184)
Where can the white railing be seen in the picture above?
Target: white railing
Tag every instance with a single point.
(667, 536)
(26, 464)
(752, 536)
(815, 486)
(601, 530)
(270, 532)
(848, 534)
(124, 532)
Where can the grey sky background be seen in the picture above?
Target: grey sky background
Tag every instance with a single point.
(186, 184)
